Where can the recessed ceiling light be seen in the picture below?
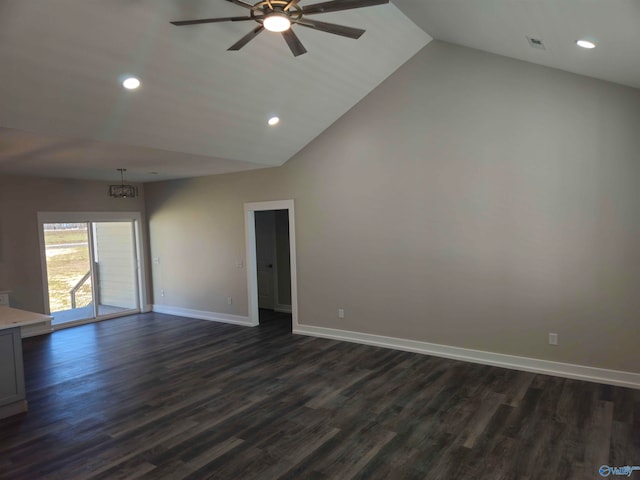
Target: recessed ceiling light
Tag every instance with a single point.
(585, 44)
(273, 121)
(276, 22)
(131, 83)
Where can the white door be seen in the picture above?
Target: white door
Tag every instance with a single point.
(265, 257)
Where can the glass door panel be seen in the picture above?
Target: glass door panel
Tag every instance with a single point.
(115, 267)
(68, 271)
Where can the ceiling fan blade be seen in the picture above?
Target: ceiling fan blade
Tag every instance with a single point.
(247, 38)
(332, 28)
(294, 43)
(337, 5)
(242, 4)
(211, 20)
(291, 5)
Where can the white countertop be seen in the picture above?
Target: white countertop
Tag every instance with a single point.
(12, 317)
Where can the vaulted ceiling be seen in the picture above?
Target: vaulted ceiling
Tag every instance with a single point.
(203, 110)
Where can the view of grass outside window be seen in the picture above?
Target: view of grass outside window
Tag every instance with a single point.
(67, 252)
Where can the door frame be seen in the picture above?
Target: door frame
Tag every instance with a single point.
(86, 217)
(252, 265)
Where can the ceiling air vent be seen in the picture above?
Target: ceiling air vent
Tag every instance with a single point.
(536, 42)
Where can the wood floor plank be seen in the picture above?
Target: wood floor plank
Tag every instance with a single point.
(155, 396)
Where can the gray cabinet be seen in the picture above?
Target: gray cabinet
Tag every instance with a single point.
(12, 393)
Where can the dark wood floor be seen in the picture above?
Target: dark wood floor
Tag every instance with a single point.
(154, 396)
(271, 316)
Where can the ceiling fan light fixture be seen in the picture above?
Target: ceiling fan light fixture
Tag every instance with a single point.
(277, 22)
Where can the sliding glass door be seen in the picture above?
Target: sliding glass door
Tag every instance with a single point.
(91, 270)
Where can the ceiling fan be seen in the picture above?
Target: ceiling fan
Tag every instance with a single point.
(279, 15)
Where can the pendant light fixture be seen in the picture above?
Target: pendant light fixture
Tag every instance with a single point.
(122, 190)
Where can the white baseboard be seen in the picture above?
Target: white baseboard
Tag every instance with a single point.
(204, 315)
(558, 369)
(282, 308)
(147, 307)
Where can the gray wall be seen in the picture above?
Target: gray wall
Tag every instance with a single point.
(196, 231)
(21, 198)
(470, 200)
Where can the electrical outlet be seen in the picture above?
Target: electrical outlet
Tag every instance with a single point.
(239, 263)
(341, 313)
(229, 300)
(553, 339)
(156, 260)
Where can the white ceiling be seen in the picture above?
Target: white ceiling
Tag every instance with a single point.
(66, 59)
(501, 26)
(202, 110)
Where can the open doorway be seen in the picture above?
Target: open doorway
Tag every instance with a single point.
(273, 266)
(271, 269)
